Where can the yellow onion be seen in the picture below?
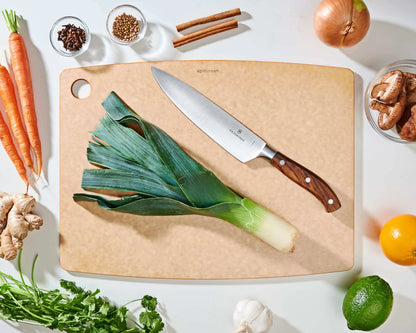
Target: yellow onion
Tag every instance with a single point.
(341, 23)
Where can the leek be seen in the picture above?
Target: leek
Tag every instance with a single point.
(165, 180)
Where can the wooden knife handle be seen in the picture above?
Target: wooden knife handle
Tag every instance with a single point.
(308, 180)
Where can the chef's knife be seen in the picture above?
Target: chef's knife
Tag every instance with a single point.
(237, 139)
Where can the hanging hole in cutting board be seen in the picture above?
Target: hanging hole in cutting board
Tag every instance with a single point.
(81, 89)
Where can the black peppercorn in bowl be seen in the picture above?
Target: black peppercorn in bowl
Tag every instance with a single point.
(126, 25)
(69, 36)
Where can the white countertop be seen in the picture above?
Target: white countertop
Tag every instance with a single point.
(270, 31)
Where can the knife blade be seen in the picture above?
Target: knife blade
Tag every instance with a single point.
(236, 138)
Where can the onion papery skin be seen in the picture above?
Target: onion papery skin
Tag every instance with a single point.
(341, 23)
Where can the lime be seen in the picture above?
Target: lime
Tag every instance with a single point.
(367, 304)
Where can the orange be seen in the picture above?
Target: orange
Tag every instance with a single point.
(398, 239)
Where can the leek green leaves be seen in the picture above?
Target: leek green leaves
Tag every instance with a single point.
(165, 179)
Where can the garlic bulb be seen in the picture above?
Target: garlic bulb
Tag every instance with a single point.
(251, 316)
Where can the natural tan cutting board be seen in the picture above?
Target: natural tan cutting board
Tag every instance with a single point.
(305, 111)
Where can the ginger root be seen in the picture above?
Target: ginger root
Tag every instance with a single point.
(16, 220)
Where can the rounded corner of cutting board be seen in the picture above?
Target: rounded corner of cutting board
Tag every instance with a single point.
(63, 261)
(146, 96)
(350, 72)
(350, 75)
(66, 72)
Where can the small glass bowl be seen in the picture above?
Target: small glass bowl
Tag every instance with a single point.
(407, 65)
(129, 10)
(58, 46)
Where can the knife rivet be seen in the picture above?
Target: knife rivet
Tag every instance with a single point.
(307, 179)
(282, 162)
(330, 201)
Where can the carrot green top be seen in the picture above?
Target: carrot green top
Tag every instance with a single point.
(11, 20)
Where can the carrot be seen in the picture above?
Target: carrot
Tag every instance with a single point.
(7, 141)
(21, 69)
(9, 100)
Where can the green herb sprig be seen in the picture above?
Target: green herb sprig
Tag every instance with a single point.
(80, 311)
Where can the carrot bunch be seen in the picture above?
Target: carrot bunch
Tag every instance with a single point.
(25, 139)
(7, 141)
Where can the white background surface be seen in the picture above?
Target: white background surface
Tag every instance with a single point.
(272, 31)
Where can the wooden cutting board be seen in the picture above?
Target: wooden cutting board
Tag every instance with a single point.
(305, 111)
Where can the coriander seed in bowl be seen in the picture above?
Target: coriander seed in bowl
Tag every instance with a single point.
(126, 25)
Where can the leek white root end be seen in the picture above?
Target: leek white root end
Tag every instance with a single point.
(275, 231)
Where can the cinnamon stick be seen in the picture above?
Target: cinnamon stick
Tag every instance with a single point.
(209, 19)
(232, 24)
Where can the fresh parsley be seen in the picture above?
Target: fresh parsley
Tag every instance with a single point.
(76, 310)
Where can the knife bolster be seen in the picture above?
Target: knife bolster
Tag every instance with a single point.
(268, 152)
